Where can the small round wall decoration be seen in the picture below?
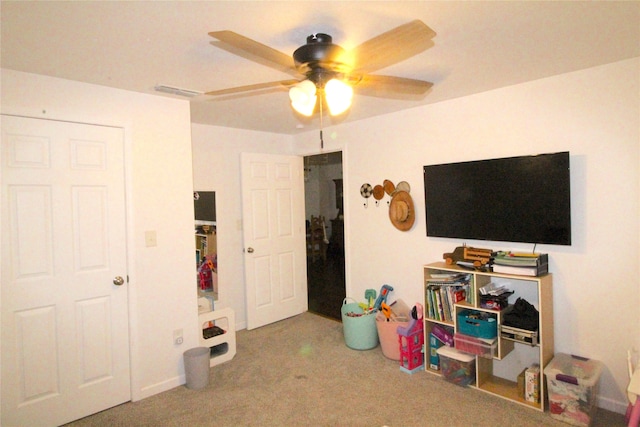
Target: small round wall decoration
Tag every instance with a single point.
(388, 186)
(403, 186)
(365, 191)
(378, 193)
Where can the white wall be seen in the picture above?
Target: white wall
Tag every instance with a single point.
(162, 295)
(216, 165)
(594, 114)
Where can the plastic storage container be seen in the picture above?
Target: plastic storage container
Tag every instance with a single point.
(477, 346)
(457, 367)
(572, 383)
(478, 324)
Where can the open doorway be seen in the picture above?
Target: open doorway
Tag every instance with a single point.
(324, 216)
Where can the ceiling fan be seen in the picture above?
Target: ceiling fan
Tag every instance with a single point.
(323, 68)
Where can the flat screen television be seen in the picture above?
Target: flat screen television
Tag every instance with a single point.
(515, 199)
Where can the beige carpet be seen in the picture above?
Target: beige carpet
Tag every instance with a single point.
(299, 372)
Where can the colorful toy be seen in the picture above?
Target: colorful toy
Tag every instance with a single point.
(384, 293)
(386, 310)
(411, 342)
(205, 275)
(370, 295)
(478, 256)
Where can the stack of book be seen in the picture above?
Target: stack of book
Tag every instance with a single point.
(443, 291)
(521, 263)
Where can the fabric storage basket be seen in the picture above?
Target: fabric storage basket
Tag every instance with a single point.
(388, 336)
(360, 331)
(388, 330)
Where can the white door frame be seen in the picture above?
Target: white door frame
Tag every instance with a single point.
(89, 119)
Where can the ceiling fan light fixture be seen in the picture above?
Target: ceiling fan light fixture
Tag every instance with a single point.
(338, 95)
(303, 97)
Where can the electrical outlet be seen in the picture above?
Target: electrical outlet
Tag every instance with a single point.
(177, 337)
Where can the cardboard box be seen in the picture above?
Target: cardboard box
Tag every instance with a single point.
(532, 384)
(443, 333)
(434, 359)
(521, 383)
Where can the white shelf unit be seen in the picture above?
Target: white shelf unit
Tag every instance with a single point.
(498, 376)
(222, 347)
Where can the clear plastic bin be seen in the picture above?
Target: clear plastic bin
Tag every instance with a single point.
(457, 367)
(480, 347)
(572, 382)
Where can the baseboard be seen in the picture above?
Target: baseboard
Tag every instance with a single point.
(612, 405)
(160, 387)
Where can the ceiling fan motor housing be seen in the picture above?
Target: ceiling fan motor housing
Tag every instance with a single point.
(320, 59)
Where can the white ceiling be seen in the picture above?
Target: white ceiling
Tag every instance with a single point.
(479, 46)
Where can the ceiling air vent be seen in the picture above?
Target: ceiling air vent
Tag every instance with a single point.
(177, 91)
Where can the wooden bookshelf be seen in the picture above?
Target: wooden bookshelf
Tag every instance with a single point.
(498, 376)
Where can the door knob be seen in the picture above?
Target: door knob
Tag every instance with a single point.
(118, 281)
(250, 250)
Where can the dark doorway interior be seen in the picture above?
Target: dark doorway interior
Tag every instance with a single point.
(325, 234)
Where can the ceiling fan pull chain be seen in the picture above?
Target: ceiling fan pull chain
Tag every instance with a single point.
(321, 139)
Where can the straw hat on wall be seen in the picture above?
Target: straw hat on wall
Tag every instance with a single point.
(401, 211)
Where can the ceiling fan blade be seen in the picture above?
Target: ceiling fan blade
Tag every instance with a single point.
(392, 87)
(254, 51)
(392, 47)
(254, 87)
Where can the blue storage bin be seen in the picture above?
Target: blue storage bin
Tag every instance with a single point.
(478, 324)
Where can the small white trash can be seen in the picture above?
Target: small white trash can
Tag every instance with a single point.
(196, 367)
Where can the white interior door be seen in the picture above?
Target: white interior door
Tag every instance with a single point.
(65, 340)
(274, 237)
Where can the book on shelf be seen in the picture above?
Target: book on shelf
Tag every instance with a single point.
(521, 271)
(444, 290)
(441, 300)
